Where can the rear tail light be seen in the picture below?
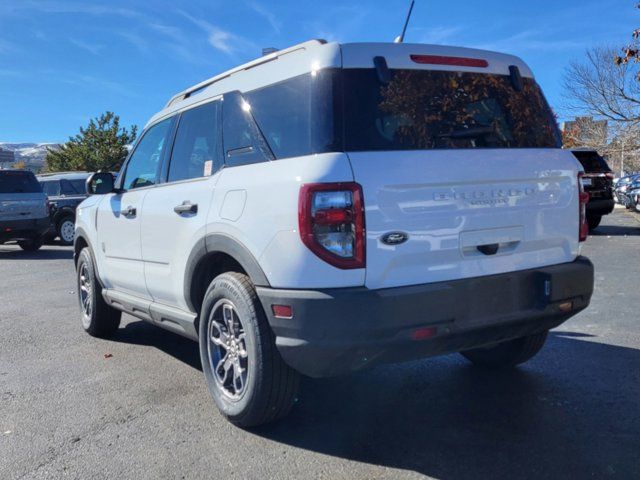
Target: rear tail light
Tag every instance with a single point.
(331, 220)
(583, 198)
(610, 175)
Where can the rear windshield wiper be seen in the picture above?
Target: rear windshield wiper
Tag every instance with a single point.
(468, 132)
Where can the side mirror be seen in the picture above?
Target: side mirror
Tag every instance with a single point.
(100, 183)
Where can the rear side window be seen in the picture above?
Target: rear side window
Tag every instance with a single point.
(592, 162)
(72, 187)
(143, 166)
(51, 188)
(296, 115)
(18, 182)
(243, 142)
(426, 109)
(197, 149)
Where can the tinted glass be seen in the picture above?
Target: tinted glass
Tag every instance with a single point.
(51, 188)
(196, 150)
(18, 182)
(243, 142)
(142, 169)
(421, 109)
(295, 116)
(72, 187)
(592, 162)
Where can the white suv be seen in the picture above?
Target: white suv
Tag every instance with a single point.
(330, 207)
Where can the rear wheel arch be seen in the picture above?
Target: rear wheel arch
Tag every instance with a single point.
(213, 255)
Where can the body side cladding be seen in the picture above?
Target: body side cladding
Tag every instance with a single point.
(221, 243)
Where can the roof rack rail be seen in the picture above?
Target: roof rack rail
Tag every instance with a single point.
(254, 63)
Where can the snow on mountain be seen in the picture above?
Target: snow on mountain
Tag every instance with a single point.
(32, 154)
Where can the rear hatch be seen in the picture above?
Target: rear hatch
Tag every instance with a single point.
(21, 196)
(460, 164)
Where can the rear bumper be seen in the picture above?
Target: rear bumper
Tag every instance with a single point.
(338, 331)
(23, 229)
(600, 206)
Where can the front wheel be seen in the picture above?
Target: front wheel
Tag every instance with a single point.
(250, 383)
(507, 354)
(98, 318)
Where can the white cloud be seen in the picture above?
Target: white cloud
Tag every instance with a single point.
(222, 40)
(267, 14)
(436, 35)
(89, 47)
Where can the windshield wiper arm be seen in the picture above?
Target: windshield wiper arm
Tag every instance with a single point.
(468, 132)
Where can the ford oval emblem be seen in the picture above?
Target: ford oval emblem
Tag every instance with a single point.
(394, 238)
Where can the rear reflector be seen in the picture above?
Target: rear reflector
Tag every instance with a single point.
(7, 229)
(453, 61)
(424, 333)
(282, 311)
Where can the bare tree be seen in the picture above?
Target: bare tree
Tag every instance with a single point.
(604, 88)
(601, 88)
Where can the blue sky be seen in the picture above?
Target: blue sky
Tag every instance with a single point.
(65, 61)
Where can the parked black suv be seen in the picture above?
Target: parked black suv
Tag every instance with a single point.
(598, 183)
(65, 192)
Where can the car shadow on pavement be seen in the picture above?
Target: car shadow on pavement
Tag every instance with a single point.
(143, 333)
(43, 254)
(572, 412)
(615, 230)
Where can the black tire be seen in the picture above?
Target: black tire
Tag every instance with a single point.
(507, 354)
(100, 320)
(593, 221)
(62, 230)
(269, 390)
(31, 245)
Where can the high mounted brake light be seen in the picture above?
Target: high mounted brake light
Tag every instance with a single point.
(452, 61)
(331, 220)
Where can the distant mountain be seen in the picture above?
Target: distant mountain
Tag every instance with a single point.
(32, 154)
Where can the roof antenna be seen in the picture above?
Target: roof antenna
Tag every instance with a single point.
(400, 38)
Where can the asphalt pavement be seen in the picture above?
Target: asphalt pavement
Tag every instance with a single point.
(136, 406)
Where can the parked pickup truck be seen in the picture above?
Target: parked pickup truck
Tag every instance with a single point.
(24, 210)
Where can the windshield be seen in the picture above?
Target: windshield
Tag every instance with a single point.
(424, 109)
(18, 182)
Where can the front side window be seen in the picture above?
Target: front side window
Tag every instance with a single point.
(426, 109)
(196, 150)
(143, 166)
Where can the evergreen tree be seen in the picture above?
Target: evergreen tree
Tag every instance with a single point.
(99, 146)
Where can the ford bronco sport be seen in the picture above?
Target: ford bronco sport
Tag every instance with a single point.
(331, 207)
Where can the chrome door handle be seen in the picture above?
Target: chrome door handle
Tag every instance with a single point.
(129, 212)
(186, 207)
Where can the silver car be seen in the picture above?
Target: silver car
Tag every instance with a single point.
(24, 209)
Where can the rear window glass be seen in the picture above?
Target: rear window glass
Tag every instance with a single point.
(592, 162)
(424, 109)
(18, 182)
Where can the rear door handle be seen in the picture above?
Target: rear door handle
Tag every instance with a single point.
(129, 212)
(186, 207)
